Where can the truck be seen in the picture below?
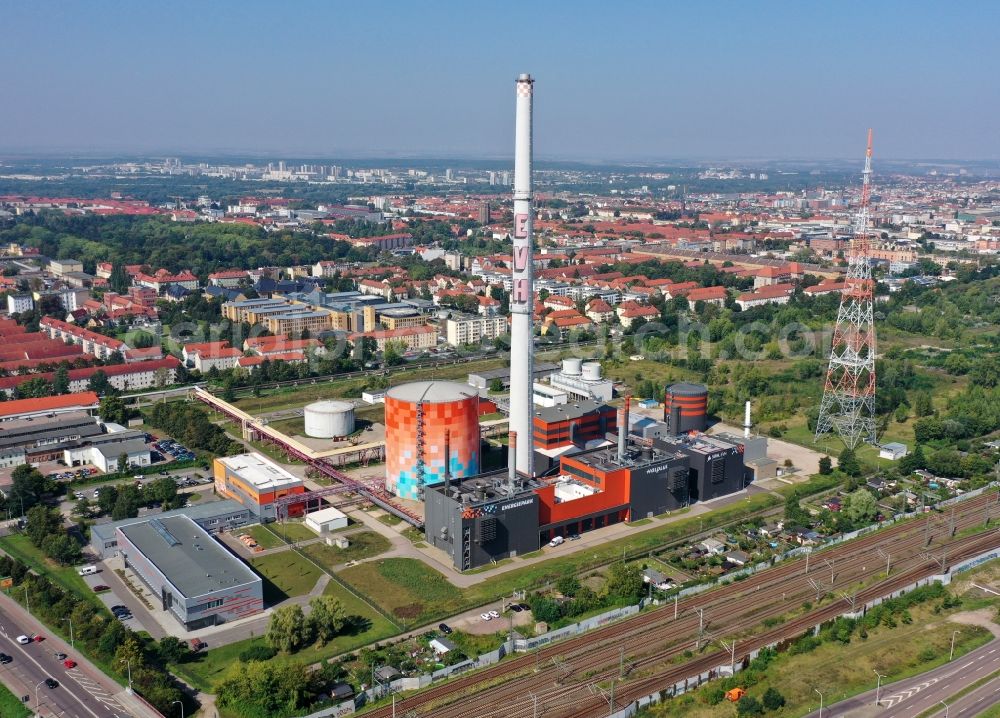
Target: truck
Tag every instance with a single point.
(87, 570)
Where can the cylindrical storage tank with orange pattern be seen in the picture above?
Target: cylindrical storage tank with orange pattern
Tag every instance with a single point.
(446, 412)
(685, 407)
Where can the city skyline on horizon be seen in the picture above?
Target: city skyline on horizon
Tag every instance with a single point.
(775, 83)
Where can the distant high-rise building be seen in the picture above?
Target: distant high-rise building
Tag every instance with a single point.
(448, 175)
(484, 213)
(281, 166)
(505, 178)
(493, 179)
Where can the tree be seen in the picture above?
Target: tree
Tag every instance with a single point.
(122, 463)
(496, 386)
(119, 280)
(28, 486)
(113, 409)
(60, 382)
(393, 353)
(127, 502)
(42, 522)
(326, 618)
(99, 383)
(794, 513)
(172, 650)
(825, 465)
(848, 463)
(568, 585)
(913, 461)
(129, 651)
(861, 507)
(922, 405)
(62, 548)
(772, 699)
(624, 582)
(267, 689)
(163, 489)
(287, 630)
(749, 706)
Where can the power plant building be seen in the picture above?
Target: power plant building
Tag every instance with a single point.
(430, 425)
(582, 380)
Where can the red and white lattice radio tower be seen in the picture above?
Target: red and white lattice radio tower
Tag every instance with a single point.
(848, 405)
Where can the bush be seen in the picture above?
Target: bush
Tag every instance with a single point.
(773, 700)
(257, 652)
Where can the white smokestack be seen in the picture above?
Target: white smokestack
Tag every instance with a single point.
(746, 421)
(522, 293)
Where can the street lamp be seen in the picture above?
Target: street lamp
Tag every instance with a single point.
(945, 708)
(820, 702)
(27, 603)
(129, 677)
(38, 706)
(72, 641)
(951, 655)
(878, 684)
(181, 705)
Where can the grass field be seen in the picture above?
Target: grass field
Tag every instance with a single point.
(285, 574)
(204, 672)
(18, 546)
(291, 531)
(11, 706)
(416, 593)
(841, 671)
(263, 536)
(364, 544)
(296, 397)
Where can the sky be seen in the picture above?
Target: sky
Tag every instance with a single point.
(615, 81)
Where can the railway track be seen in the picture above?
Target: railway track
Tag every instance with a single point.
(555, 674)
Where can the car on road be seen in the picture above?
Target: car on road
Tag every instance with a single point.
(494, 614)
(486, 616)
(78, 495)
(5, 659)
(60, 656)
(23, 640)
(69, 663)
(119, 607)
(38, 638)
(574, 537)
(101, 587)
(444, 628)
(51, 683)
(516, 608)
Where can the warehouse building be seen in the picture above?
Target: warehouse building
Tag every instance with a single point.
(196, 580)
(257, 482)
(212, 516)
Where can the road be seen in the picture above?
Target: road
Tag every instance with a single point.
(83, 691)
(913, 696)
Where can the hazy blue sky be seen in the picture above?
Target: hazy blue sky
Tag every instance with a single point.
(615, 80)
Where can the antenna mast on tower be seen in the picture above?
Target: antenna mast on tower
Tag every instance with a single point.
(848, 405)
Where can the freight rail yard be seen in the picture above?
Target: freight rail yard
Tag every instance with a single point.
(605, 670)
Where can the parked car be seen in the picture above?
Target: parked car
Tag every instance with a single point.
(60, 656)
(69, 663)
(574, 537)
(101, 587)
(51, 683)
(486, 616)
(444, 628)
(516, 608)
(494, 614)
(557, 541)
(5, 659)
(38, 638)
(23, 640)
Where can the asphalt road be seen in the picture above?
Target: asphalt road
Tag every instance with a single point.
(913, 696)
(82, 691)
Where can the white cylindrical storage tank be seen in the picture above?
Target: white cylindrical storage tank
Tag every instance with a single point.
(571, 367)
(591, 371)
(329, 419)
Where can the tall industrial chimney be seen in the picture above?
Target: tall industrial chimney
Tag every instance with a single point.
(512, 463)
(522, 292)
(623, 429)
(746, 421)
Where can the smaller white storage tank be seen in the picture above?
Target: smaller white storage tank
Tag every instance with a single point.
(592, 371)
(571, 367)
(329, 419)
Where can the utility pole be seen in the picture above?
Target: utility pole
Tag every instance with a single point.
(951, 655)
(886, 555)
(831, 564)
(676, 599)
(820, 702)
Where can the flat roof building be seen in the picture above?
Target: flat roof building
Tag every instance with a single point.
(197, 580)
(257, 483)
